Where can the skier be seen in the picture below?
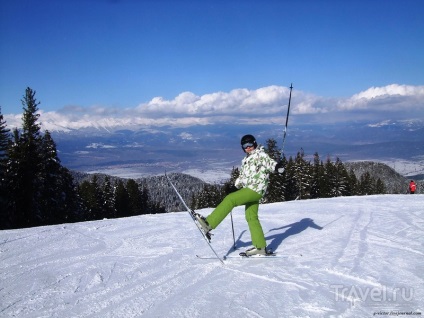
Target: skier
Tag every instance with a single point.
(412, 187)
(252, 184)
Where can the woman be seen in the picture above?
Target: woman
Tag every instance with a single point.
(252, 184)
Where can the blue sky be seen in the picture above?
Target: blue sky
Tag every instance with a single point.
(104, 56)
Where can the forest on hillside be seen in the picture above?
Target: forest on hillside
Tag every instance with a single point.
(35, 189)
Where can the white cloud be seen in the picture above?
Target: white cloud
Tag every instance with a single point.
(390, 90)
(238, 101)
(387, 98)
(240, 106)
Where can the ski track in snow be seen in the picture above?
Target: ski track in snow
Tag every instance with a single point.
(347, 257)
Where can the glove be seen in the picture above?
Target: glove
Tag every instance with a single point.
(279, 167)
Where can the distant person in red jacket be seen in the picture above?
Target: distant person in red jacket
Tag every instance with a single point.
(412, 187)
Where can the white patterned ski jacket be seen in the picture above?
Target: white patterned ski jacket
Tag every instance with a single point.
(255, 170)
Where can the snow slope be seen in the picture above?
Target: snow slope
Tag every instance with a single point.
(346, 257)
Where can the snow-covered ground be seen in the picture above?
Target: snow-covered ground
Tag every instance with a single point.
(343, 257)
(407, 168)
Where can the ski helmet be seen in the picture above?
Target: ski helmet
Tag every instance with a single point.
(248, 140)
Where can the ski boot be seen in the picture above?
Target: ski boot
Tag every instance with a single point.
(257, 251)
(203, 224)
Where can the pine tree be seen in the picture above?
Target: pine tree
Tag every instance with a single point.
(4, 139)
(353, 183)
(138, 201)
(147, 206)
(210, 196)
(38, 189)
(380, 187)
(4, 145)
(12, 181)
(328, 184)
(291, 184)
(92, 198)
(340, 179)
(122, 199)
(317, 177)
(275, 191)
(229, 186)
(366, 184)
(302, 175)
(57, 195)
(272, 150)
(24, 166)
(72, 207)
(108, 200)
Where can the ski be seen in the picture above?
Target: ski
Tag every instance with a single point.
(192, 215)
(225, 257)
(243, 254)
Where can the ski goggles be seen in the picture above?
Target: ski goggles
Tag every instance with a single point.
(247, 145)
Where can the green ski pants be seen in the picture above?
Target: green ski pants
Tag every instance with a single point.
(250, 199)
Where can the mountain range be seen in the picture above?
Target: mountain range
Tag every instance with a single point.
(209, 152)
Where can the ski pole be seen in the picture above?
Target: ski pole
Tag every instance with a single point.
(287, 121)
(232, 226)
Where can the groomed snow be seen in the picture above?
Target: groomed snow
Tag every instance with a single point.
(346, 257)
